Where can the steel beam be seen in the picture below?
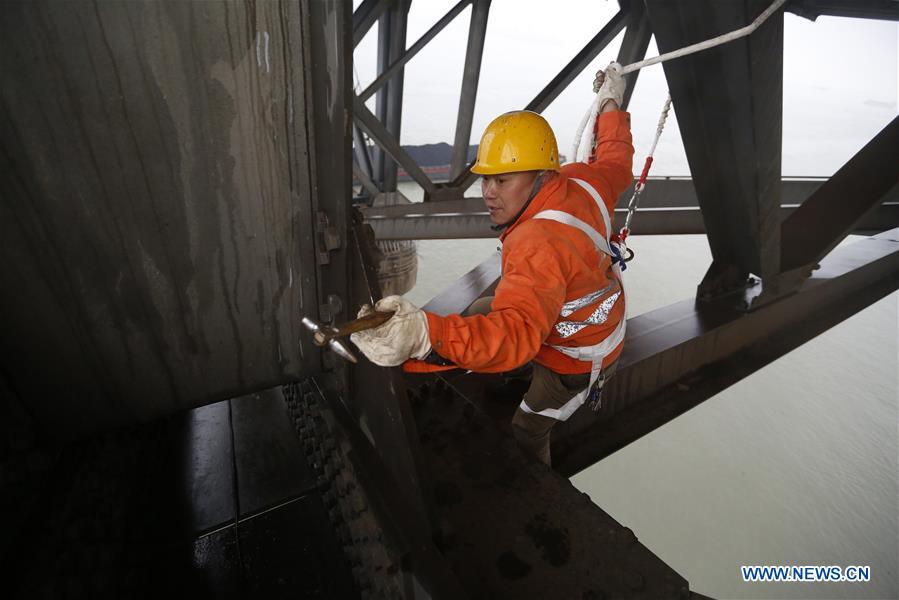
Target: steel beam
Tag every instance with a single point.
(367, 184)
(379, 134)
(566, 75)
(729, 107)
(448, 225)
(668, 206)
(381, 100)
(329, 36)
(678, 356)
(865, 9)
(377, 397)
(468, 288)
(396, 509)
(518, 529)
(365, 16)
(423, 41)
(633, 46)
(580, 61)
(360, 149)
(434, 220)
(477, 32)
(399, 16)
(834, 210)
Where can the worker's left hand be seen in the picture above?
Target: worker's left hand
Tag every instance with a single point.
(403, 336)
(610, 84)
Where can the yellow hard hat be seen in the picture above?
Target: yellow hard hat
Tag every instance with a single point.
(520, 140)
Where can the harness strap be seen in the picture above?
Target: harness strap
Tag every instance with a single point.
(599, 204)
(563, 217)
(597, 317)
(575, 305)
(596, 353)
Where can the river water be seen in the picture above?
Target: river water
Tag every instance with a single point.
(798, 464)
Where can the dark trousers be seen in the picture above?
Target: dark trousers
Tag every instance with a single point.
(548, 389)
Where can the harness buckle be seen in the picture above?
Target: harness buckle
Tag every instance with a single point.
(595, 395)
(618, 258)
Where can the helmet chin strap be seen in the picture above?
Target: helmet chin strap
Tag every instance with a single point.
(538, 183)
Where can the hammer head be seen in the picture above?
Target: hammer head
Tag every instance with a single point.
(341, 349)
(320, 333)
(325, 335)
(311, 325)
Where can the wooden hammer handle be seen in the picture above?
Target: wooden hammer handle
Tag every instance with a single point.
(369, 321)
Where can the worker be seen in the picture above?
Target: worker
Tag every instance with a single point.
(560, 301)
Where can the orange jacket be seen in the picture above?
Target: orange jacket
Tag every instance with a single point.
(544, 265)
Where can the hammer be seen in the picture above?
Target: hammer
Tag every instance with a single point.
(326, 335)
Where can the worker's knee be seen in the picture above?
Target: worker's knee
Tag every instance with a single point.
(533, 425)
(532, 432)
(551, 390)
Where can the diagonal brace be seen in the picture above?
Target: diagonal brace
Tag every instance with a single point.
(833, 210)
(377, 132)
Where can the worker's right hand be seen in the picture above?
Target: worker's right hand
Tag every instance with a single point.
(610, 84)
(403, 336)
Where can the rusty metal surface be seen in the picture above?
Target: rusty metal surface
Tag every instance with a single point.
(511, 527)
(376, 397)
(391, 548)
(156, 216)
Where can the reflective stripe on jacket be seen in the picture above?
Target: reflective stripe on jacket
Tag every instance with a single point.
(556, 287)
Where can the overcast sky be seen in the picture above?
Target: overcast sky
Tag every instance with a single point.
(840, 79)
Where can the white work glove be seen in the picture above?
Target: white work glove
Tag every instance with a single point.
(610, 84)
(403, 336)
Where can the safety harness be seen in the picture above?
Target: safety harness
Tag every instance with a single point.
(605, 298)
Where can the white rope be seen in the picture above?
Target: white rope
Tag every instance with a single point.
(716, 41)
(577, 155)
(661, 125)
(641, 183)
(583, 139)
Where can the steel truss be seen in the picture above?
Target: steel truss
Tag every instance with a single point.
(773, 274)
